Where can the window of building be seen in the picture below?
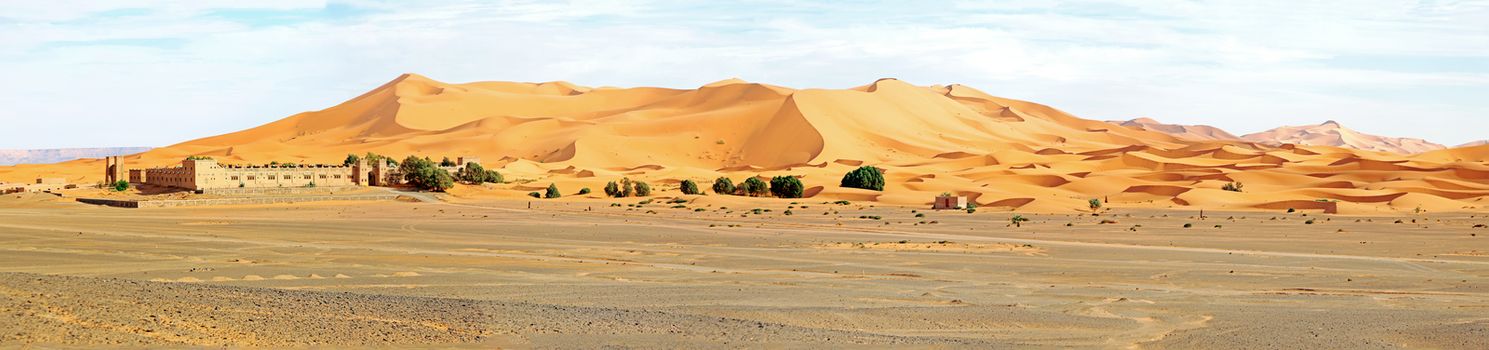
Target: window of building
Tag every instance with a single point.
(235, 178)
(338, 176)
(307, 177)
(323, 176)
(272, 177)
(251, 177)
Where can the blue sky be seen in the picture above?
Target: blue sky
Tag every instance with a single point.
(153, 73)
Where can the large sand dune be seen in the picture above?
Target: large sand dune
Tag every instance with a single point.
(1001, 152)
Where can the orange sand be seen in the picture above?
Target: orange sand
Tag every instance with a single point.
(1005, 154)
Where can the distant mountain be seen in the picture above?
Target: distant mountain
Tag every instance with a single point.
(1330, 133)
(1475, 143)
(1189, 132)
(47, 156)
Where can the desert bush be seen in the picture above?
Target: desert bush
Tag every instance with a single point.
(786, 187)
(552, 192)
(422, 174)
(754, 187)
(1187, 225)
(642, 189)
(612, 189)
(865, 177)
(474, 173)
(1018, 220)
(1094, 203)
(723, 185)
(535, 195)
(584, 191)
(1233, 187)
(690, 187)
(120, 186)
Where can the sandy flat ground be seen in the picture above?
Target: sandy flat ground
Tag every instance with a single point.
(584, 273)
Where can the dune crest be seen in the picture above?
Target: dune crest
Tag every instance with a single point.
(1330, 133)
(1005, 153)
(1189, 132)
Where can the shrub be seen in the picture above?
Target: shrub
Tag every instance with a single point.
(474, 173)
(642, 189)
(865, 177)
(612, 189)
(754, 187)
(535, 195)
(552, 192)
(787, 212)
(584, 191)
(723, 185)
(422, 174)
(627, 188)
(1188, 225)
(1292, 210)
(1233, 187)
(120, 186)
(690, 187)
(1094, 203)
(447, 162)
(1018, 220)
(786, 187)
(970, 210)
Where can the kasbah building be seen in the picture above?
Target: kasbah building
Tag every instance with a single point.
(201, 174)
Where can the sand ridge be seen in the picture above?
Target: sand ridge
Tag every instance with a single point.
(1004, 153)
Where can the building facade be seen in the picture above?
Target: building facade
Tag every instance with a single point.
(199, 174)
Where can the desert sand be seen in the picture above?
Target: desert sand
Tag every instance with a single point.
(582, 273)
(1189, 132)
(1002, 153)
(1330, 133)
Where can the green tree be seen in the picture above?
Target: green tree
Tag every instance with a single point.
(865, 177)
(1094, 204)
(475, 174)
(612, 189)
(446, 162)
(754, 187)
(690, 187)
(422, 174)
(552, 192)
(627, 188)
(350, 160)
(642, 189)
(723, 185)
(786, 186)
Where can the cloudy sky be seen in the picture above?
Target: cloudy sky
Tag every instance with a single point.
(153, 73)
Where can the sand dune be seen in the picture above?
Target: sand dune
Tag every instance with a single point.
(1007, 153)
(1330, 133)
(1190, 132)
